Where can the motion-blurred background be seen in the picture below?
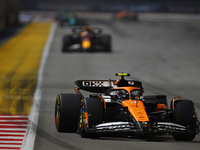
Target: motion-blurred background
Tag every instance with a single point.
(157, 43)
(10, 9)
(183, 6)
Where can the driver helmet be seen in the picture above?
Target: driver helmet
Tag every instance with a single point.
(122, 95)
(87, 28)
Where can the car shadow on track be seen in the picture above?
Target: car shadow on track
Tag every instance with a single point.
(146, 138)
(55, 141)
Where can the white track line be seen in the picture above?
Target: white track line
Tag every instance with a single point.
(14, 133)
(17, 142)
(10, 129)
(29, 140)
(11, 137)
(13, 146)
(18, 125)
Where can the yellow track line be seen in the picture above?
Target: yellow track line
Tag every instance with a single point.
(19, 64)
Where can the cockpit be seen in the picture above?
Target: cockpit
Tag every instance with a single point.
(123, 94)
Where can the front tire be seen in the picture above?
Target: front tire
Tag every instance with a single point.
(183, 115)
(67, 39)
(92, 114)
(67, 112)
(106, 40)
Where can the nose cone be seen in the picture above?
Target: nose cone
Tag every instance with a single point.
(86, 44)
(137, 110)
(145, 125)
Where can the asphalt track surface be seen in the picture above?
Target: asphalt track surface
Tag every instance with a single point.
(161, 52)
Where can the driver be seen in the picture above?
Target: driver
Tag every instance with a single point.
(88, 29)
(122, 95)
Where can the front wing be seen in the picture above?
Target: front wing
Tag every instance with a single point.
(127, 127)
(78, 48)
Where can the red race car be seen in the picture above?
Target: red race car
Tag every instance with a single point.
(86, 39)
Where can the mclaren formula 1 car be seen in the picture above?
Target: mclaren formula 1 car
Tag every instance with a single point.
(120, 107)
(126, 15)
(86, 39)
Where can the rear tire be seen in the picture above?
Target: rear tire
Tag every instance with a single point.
(66, 112)
(94, 108)
(183, 115)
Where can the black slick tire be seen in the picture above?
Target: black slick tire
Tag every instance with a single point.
(94, 108)
(183, 115)
(106, 40)
(67, 112)
(66, 43)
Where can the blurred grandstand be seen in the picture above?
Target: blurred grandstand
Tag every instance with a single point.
(170, 6)
(9, 13)
(10, 9)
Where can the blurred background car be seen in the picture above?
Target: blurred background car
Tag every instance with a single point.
(126, 15)
(86, 39)
(68, 18)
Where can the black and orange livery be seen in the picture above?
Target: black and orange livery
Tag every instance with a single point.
(121, 107)
(87, 39)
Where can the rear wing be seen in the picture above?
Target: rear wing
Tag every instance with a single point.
(79, 30)
(101, 86)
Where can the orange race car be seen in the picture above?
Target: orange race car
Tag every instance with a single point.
(126, 15)
(122, 108)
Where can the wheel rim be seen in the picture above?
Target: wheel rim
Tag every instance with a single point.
(57, 113)
(80, 122)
